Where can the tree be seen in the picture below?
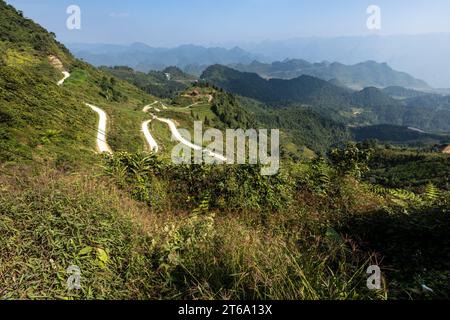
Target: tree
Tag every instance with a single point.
(351, 160)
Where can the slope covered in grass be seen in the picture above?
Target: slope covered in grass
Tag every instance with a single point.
(41, 121)
(140, 227)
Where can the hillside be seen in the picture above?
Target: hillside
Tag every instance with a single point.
(301, 126)
(304, 89)
(135, 225)
(163, 84)
(41, 121)
(398, 135)
(365, 107)
(398, 92)
(358, 76)
(409, 168)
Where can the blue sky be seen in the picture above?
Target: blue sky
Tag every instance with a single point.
(211, 22)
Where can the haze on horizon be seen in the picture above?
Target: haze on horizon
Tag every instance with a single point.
(170, 23)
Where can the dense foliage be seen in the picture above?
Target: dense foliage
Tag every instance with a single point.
(347, 207)
(409, 168)
(231, 113)
(156, 83)
(140, 227)
(398, 134)
(358, 76)
(368, 106)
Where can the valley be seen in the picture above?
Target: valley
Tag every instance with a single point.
(88, 178)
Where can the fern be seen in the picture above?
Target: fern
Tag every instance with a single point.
(379, 190)
(321, 178)
(203, 207)
(431, 194)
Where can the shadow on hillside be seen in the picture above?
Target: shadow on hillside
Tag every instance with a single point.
(413, 246)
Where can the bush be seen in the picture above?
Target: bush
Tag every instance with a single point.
(229, 188)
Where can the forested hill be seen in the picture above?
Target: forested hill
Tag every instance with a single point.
(365, 107)
(358, 76)
(41, 121)
(304, 89)
(163, 84)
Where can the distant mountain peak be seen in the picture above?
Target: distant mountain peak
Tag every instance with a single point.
(358, 76)
(144, 58)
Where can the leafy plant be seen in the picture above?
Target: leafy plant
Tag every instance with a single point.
(351, 160)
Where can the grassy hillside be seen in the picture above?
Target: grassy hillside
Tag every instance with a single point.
(168, 83)
(150, 230)
(410, 168)
(140, 227)
(43, 122)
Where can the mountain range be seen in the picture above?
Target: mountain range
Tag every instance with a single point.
(422, 55)
(358, 76)
(95, 206)
(369, 106)
(144, 58)
(195, 59)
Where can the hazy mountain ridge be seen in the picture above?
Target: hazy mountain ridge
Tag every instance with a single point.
(365, 107)
(424, 56)
(357, 76)
(137, 226)
(145, 58)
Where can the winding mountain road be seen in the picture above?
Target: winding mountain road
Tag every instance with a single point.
(102, 145)
(66, 76)
(177, 136)
(148, 136)
(148, 107)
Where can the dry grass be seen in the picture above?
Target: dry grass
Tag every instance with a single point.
(49, 217)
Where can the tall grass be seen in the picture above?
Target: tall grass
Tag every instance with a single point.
(51, 220)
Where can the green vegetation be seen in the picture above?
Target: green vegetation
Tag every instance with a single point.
(155, 82)
(213, 232)
(409, 168)
(305, 127)
(369, 106)
(140, 227)
(401, 93)
(43, 122)
(305, 89)
(398, 135)
(358, 76)
(230, 113)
